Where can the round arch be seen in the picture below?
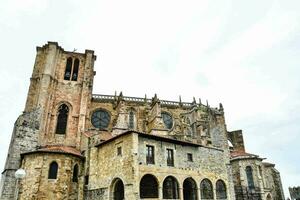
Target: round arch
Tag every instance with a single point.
(221, 192)
(148, 186)
(206, 189)
(189, 189)
(170, 188)
(117, 189)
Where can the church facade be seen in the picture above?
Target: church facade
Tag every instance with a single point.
(73, 144)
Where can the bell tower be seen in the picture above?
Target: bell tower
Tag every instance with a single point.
(57, 103)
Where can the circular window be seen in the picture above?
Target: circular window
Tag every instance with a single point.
(168, 120)
(100, 119)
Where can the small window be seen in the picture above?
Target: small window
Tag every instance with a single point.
(72, 67)
(75, 70)
(62, 119)
(190, 157)
(86, 180)
(167, 119)
(249, 174)
(75, 174)
(53, 168)
(150, 154)
(170, 157)
(119, 151)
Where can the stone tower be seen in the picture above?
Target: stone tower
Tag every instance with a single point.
(60, 88)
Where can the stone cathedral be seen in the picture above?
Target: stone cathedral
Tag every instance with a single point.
(75, 145)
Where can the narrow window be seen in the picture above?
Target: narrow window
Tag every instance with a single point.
(86, 180)
(249, 177)
(62, 119)
(150, 154)
(190, 157)
(68, 69)
(53, 170)
(75, 70)
(170, 157)
(75, 174)
(119, 151)
(131, 120)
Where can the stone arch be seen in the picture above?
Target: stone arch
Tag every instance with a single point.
(189, 189)
(53, 170)
(117, 189)
(170, 188)
(221, 192)
(148, 186)
(206, 189)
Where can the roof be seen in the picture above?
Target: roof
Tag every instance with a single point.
(57, 149)
(242, 155)
(157, 137)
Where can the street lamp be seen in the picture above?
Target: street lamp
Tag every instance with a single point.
(19, 174)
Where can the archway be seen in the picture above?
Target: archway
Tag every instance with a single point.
(148, 187)
(189, 189)
(118, 189)
(170, 188)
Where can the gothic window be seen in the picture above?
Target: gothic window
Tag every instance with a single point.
(100, 119)
(131, 120)
(150, 154)
(53, 170)
(118, 190)
(170, 188)
(68, 69)
(148, 187)
(72, 67)
(62, 119)
(249, 174)
(221, 190)
(206, 189)
(170, 157)
(189, 189)
(75, 174)
(167, 119)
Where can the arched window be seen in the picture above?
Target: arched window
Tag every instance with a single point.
(131, 120)
(206, 189)
(170, 188)
(75, 70)
(148, 187)
(68, 69)
(118, 190)
(75, 174)
(249, 174)
(221, 190)
(62, 119)
(53, 170)
(189, 189)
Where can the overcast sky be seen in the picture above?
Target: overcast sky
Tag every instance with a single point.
(245, 54)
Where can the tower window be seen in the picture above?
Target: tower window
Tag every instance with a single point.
(249, 177)
(131, 120)
(170, 157)
(75, 174)
(72, 67)
(62, 119)
(150, 154)
(53, 168)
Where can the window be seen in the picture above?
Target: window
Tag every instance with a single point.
(131, 120)
(150, 154)
(189, 189)
(148, 187)
(190, 157)
(53, 170)
(249, 177)
(75, 174)
(100, 119)
(71, 72)
(221, 190)
(167, 119)
(206, 189)
(170, 188)
(170, 157)
(62, 119)
(86, 180)
(119, 151)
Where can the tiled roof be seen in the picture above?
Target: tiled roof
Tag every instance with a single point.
(57, 149)
(242, 154)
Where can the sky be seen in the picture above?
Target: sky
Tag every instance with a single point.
(243, 54)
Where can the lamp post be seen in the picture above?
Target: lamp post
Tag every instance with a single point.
(19, 174)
